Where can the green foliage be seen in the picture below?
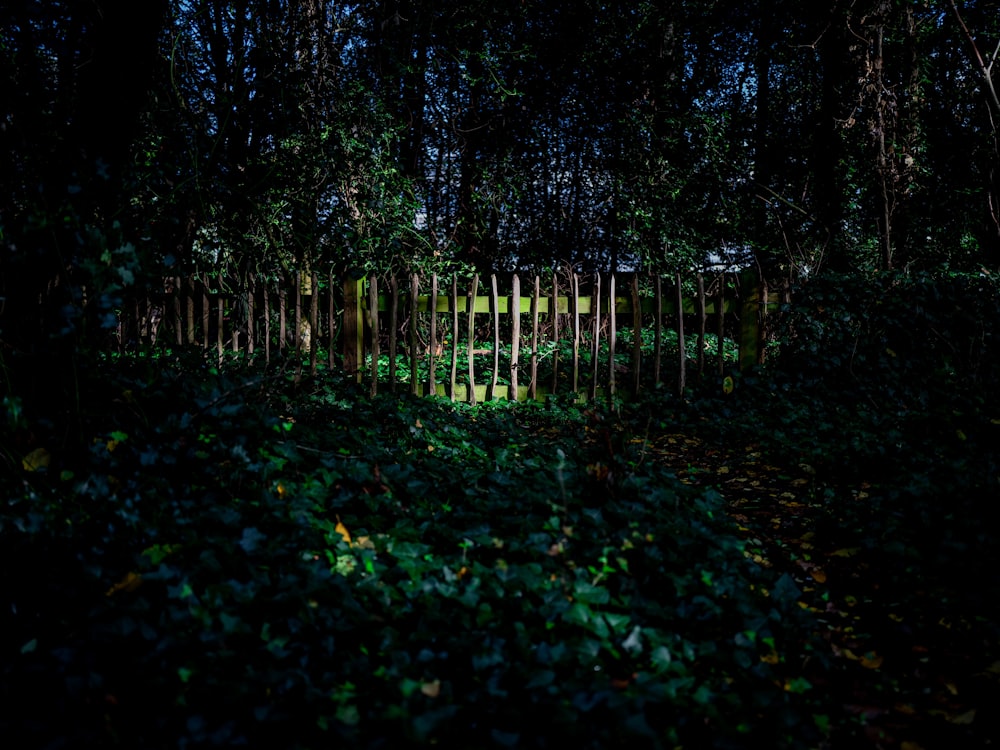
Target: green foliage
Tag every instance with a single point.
(884, 388)
(390, 573)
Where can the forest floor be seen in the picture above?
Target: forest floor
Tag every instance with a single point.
(918, 674)
(704, 577)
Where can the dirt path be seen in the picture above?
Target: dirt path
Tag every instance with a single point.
(908, 673)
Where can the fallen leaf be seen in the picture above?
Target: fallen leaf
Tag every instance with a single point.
(846, 552)
(129, 583)
(818, 575)
(37, 459)
(431, 689)
(342, 530)
(964, 719)
(871, 661)
(993, 668)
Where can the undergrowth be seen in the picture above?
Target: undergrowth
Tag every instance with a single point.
(260, 559)
(315, 567)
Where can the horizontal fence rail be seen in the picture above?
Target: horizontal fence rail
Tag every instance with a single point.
(499, 357)
(473, 339)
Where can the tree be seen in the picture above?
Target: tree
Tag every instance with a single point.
(75, 79)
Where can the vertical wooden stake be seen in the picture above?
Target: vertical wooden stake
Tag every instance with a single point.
(515, 335)
(221, 320)
(454, 337)
(764, 334)
(612, 336)
(374, 327)
(297, 333)
(595, 306)
(414, 353)
(251, 292)
(282, 332)
(354, 341)
(178, 321)
(205, 313)
(393, 324)
(267, 323)
(658, 334)
(636, 335)
(535, 300)
(575, 296)
(313, 322)
(720, 320)
(432, 348)
(749, 320)
(190, 310)
(495, 310)
(330, 327)
(235, 325)
(554, 317)
(702, 316)
(682, 352)
(472, 338)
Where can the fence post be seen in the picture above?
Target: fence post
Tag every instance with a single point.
(354, 341)
(750, 330)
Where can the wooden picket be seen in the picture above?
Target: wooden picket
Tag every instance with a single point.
(352, 318)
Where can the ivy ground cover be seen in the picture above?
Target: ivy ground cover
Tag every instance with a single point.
(383, 574)
(802, 562)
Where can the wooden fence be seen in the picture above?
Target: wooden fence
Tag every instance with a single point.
(480, 343)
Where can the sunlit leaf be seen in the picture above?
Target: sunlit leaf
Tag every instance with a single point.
(431, 689)
(342, 530)
(797, 685)
(965, 718)
(871, 661)
(37, 459)
(846, 552)
(129, 583)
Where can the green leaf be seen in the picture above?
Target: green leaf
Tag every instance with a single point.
(785, 590)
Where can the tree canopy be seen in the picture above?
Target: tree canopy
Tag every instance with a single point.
(509, 134)
(203, 548)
